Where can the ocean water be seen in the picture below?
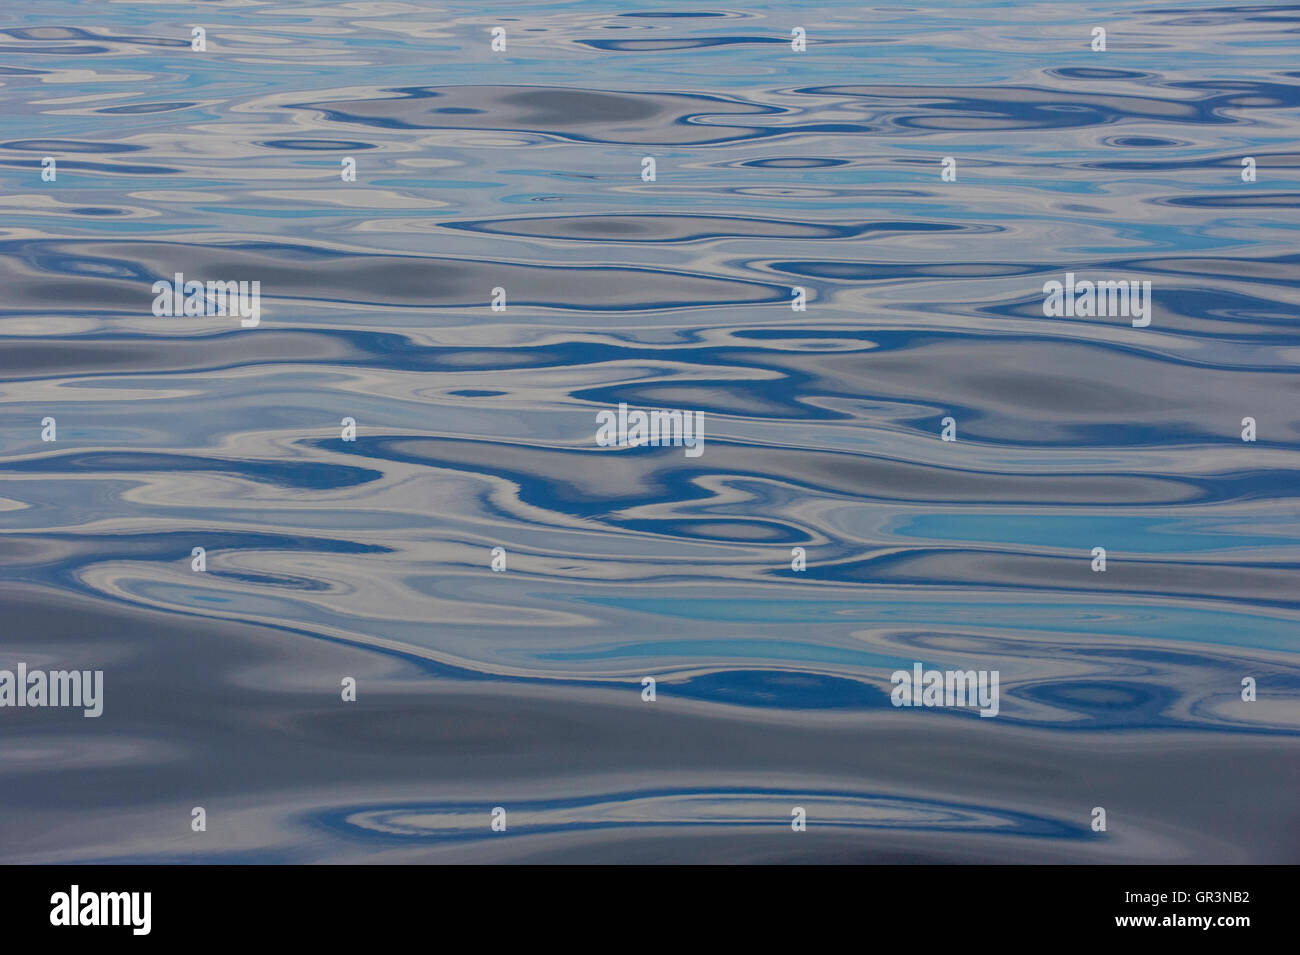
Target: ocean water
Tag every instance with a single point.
(332, 556)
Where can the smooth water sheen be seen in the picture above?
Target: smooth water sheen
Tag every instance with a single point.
(521, 689)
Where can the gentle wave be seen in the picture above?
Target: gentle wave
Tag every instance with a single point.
(371, 558)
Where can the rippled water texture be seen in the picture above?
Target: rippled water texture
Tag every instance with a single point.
(475, 429)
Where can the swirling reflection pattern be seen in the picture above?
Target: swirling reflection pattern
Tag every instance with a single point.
(521, 170)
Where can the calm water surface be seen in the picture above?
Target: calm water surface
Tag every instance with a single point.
(475, 429)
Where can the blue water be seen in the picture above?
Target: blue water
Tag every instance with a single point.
(521, 169)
